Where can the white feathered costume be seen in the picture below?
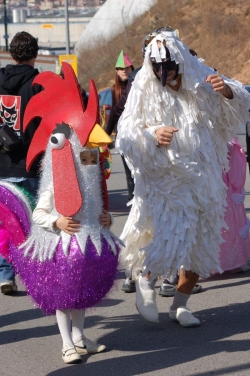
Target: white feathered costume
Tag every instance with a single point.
(179, 202)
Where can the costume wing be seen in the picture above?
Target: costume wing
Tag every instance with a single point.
(15, 217)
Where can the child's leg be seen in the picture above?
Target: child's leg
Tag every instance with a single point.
(69, 353)
(63, 321)
(82, 344)
(78, 317)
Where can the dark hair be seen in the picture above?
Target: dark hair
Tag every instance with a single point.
(23, 47)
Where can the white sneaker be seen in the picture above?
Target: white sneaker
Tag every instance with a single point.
(69, 355)
(128, 285)
(184, 316)
(86, 346)
(146, 302)
(8, 287)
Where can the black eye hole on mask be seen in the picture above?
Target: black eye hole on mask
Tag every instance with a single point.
(166, 65)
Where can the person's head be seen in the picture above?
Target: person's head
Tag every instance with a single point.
(23, 47)
(165, 69)
(149, 37)
(123, 66)
(123, 73)
(88, 157)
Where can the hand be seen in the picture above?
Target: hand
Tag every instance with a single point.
(219, 85)
(105, 219)
(68, 225)
(165, 134)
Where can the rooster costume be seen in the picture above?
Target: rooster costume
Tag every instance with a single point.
(62, 271)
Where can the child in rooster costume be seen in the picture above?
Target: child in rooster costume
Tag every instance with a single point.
(69, 261)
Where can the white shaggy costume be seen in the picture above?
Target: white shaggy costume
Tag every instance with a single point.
(179, 202)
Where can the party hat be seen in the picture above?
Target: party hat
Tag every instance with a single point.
(123, 61)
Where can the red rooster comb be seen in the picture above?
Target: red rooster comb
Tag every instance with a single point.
(60, 101)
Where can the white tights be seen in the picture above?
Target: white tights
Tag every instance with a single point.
(64, 324)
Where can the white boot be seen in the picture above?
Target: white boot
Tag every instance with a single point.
(146, 300)
(184, 316)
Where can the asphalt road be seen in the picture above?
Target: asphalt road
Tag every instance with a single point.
(30, 344)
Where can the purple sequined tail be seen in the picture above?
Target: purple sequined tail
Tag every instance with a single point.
(74, 282)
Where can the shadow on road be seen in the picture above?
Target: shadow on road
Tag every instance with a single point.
(16, 335)
(20, 316)
(157, 347)
(118, 199)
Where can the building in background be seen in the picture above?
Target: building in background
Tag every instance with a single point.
(42, 63)
(46, 20)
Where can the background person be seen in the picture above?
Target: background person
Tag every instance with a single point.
(129, 283)
(235, 250)
(15, 92)
(124, 67)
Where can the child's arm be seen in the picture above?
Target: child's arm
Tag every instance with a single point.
(43, 217)
(42, 214)
(106, 219)
(67, 224)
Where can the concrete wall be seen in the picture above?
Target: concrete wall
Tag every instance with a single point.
(57, 34)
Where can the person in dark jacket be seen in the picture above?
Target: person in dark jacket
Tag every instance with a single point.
(15, 92)
(120, 104)
(124, 68)
(117, 110)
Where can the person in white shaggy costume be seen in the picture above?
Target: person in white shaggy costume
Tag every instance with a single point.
(173, 134)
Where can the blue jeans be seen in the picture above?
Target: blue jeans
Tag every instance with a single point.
(30, 185)
(6, 269)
